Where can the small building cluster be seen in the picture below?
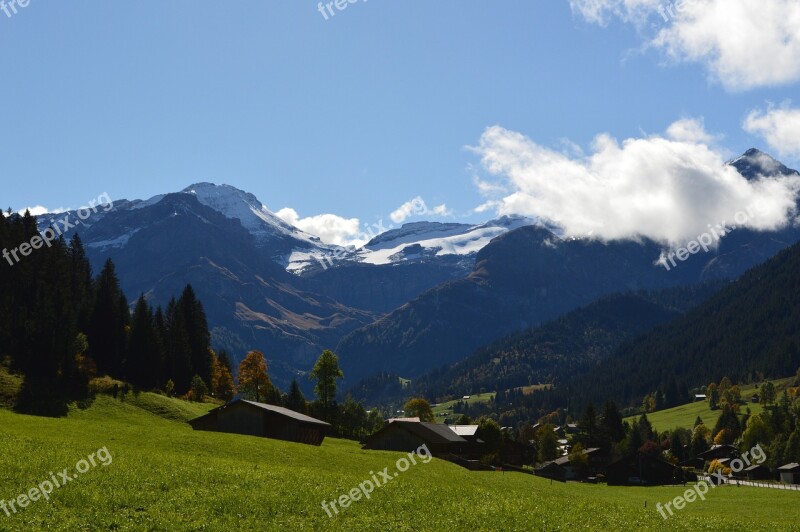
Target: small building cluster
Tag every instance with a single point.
(462, 445)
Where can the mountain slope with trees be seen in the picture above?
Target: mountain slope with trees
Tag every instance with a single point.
(748, 331)
(551, 354)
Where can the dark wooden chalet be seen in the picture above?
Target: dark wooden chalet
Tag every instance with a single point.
(259, 419)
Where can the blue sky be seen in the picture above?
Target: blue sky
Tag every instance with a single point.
(353, 115)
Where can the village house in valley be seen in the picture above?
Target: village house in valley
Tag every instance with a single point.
(407, 435)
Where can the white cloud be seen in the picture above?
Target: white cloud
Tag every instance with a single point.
(417, 207)
(37, 210)
(780, 127)
(659, 187)
(601, 11)
(330, 228)
(743, 43)
(690, 130)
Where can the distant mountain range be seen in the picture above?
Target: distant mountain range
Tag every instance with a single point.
(531, 275)
(412, 299)
(243, 262)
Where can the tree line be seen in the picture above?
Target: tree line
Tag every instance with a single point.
(61, 327)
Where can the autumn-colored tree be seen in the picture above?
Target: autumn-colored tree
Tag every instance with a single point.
(419, 407)
(724, 437)
(253, 379)
(222, 386)
(650, 448)
(700, 437)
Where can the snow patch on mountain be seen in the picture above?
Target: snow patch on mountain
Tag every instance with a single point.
(251, 213)
(430, 239)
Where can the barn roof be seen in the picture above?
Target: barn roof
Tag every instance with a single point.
(790, 467)
(430, 432)
(465, 430)
(270, 408)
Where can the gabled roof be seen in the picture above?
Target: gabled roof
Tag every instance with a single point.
(790, 467)
(430, 432)
(565, 460)
(465, 430)
(288, 413)
(270, 408)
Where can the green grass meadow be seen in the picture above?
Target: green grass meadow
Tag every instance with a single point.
(685, 415)
(164, 476)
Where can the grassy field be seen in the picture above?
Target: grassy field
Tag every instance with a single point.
(685, 415)
(447, 407)
(164, 476)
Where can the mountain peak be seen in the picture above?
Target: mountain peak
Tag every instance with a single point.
(755, 163)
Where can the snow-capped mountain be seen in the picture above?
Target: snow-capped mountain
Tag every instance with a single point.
(254, 216)
(755, 163)
(271, 286)
(415, 241)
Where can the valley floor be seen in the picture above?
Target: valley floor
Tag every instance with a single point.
(164, 476)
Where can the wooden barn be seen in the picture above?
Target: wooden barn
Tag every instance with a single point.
(757, 472)
(267, 421)
(408, 436)
(790, 473)
(645, 470)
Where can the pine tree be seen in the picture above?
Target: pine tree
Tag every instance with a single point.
(144, 353)
(109, 316)
(612, 424)
(792, 452)
(198, 335)
(295, 400)
(178, 351)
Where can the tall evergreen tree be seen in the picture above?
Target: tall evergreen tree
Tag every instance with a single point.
(178, 349)
(295, 400)
(612, 424)
(144, 353)
(199, 337)
(108, 319)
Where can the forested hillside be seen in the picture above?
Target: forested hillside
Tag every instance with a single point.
(551, 354)
(60, 328)
(747, 331)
